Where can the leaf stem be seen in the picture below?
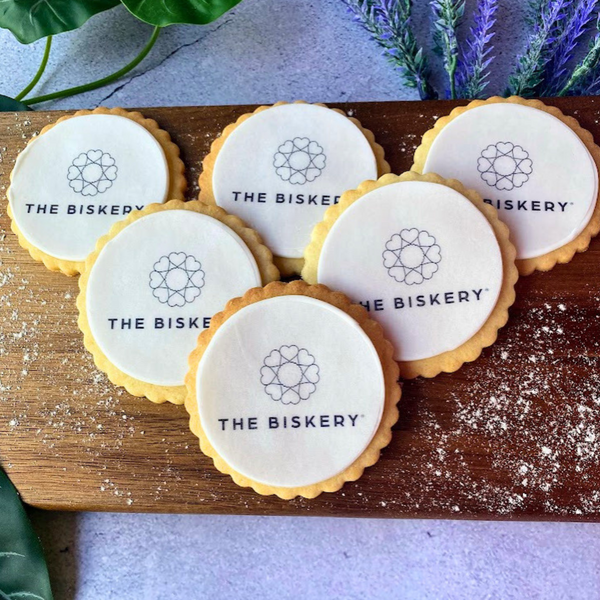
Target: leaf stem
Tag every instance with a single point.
(447, 16)
(581, 71)
(452, 76)
(585, 68)
(39, 73)
(80, 89)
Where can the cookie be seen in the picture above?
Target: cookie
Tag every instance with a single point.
(293, 390)
(84, 173)
(427, 258)
(280, 167)
(154, 282)
(538, 167)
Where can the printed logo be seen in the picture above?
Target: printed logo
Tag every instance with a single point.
(289, 374)
(92, 173)
(177, 279)
(299, 160)
(504, 166)
(411, 256)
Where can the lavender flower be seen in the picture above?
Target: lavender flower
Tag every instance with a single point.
(585, 78)
(544, 68)
(389, 23)
(472, 72)
(581, 15)
(528, 75)
(447, 16)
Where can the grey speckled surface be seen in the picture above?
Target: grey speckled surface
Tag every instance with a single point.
(262, 52)
(113, 557)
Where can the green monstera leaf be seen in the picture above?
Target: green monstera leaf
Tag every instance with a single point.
(10, 104)
(171, 12)
(23, 572)
(30, 20)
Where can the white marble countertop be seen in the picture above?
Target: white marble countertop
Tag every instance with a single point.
(261, 52)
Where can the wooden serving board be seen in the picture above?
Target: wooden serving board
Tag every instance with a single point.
(514, 435)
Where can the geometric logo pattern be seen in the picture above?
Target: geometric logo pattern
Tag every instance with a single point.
(299, 160)
(411, 256)
(289, 374)
(92, 172)
(177, 279)
(504, 166)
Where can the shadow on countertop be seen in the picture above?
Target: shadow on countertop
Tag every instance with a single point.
(58, 534)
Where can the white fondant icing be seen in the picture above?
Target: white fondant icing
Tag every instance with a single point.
(284, 361)
(528, 164)
(422, 259)
(306, 153)
(170, 265)
(73, 182)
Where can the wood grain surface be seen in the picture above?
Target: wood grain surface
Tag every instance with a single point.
(515, 435)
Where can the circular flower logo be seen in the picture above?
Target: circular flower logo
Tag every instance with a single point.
(177, 279)
(289, 374)
(411, 256)
(505, 166)
(92, 172)
(299, 160)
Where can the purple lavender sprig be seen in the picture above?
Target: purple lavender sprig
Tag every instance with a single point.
(585, 79)
(389, 23)
(528, 74)
(582, 13)
(447, 15)
(472, 74)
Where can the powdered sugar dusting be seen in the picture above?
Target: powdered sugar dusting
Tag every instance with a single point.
(62, 422)
(517, 433)
(531, 422)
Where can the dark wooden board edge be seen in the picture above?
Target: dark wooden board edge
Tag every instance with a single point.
(382, 490)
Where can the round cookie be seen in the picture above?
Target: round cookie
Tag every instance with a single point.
(538, 167)
(293, 390)
(84, 173)
(429, 260)
(280, 167)
(153, 284)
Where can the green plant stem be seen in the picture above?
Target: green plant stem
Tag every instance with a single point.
(40, 71)
(588, 65)
(80, 89)
(452, 76)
